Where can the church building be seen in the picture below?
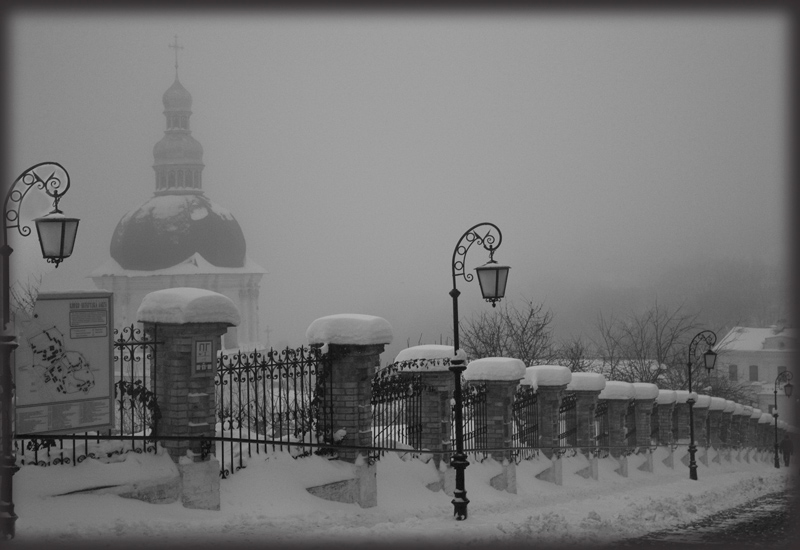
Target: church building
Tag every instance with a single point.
(179, 238)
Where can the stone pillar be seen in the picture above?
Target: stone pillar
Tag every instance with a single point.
(189, 330)
(645, 395)
(354, 345)
(550, 382)
(501, 376)
(714, 421)
(189, 324)
(617, 395)
(680, 418)
(587, 387)
(665, 402)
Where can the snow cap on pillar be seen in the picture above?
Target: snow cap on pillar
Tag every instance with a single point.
(618, 390)
(739, 409)
(645, 390)
(717, 404)
(586, 381)
(495, 368)
(730, 406)
(766, 418)
(755, 414)
(184, 305)
(665, 397)
(547, 375)
(350, 329)
(702, 401)
(429, 357)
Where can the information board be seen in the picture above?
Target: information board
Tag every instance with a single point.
(63, 374)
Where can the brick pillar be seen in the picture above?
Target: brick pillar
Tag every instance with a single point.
(645, 395)
(680, 417)
(617, 395)
(665, 403)
(587, 387)
(352, 369)
(725, 423)
(549, 401)
(752, 428)
(436, 412)
(700, 416)
(715, 409)
(186, 392)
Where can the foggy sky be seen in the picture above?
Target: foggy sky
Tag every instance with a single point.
(355, 149)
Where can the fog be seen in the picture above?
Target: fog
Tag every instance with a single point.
(355, 149)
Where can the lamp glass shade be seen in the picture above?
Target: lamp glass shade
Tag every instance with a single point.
(710, 359)
(492, 278)
(788, 389)
(56, 235)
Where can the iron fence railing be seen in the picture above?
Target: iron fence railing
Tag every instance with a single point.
(525, 423)
(568, 421)
(475, 429)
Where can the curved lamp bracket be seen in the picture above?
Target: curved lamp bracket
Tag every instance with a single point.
(490, 240)
(55, 183)
(706, 336)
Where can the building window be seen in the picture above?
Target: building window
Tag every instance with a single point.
(733, 373)
(754, 373)
(172, 178)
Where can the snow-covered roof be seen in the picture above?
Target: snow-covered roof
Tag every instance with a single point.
(187, 305)
(429, 357)
(751, 339)
(586, 381)
(665, 397)
(547, 375)
(645, 390)
(617, 390)
(350, 328)
(717, 404)
(194, 264)
(495, 368)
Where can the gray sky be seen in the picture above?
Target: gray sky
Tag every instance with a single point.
(355, 149)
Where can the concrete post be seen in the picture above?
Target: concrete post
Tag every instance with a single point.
(190, 324)
(501, 376)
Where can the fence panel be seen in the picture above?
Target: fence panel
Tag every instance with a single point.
(525, 415)
(473, 407)
(601, 424)
(396, 411)
(630, 424)
(568, 421)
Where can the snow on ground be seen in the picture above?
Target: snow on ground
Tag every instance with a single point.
(267, 501)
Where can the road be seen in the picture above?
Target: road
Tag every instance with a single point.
(769, 522)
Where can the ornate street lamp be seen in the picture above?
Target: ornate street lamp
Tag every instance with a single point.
(56, 237)
(783, 377)
(709, 359)
(492, 278)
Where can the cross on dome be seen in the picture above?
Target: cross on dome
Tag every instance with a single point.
(176, 47)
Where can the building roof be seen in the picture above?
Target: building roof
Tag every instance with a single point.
(758, 339)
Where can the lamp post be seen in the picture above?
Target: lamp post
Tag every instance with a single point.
(492, 278)
(709, 359)
(785, 377)
(56, 237)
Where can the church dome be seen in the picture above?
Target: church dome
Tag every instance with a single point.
(177, 98)
(177, 147)
(169, 229)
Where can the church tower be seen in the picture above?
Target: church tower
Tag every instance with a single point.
(179, 238)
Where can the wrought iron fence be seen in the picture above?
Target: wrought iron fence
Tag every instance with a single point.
(396, 411)
(272, 399)
(568, 421)
(473, 407)
(601, 426)
(654, 424)
(525, 429)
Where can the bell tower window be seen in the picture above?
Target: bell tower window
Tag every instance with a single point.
(171, 178)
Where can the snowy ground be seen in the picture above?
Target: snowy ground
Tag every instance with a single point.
(266, 503)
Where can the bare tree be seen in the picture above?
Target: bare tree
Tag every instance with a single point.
(647, 346)
(508, 331)
(574, 354)
(24, 296)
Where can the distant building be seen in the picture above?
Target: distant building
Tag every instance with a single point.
(756, 356)
(179, 238)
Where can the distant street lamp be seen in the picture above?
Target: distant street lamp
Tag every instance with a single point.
(56, 237)
(785, 377)
(492, 278)
(709, 359)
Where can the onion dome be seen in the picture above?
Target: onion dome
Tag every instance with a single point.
(169, 229)
(177, 98)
